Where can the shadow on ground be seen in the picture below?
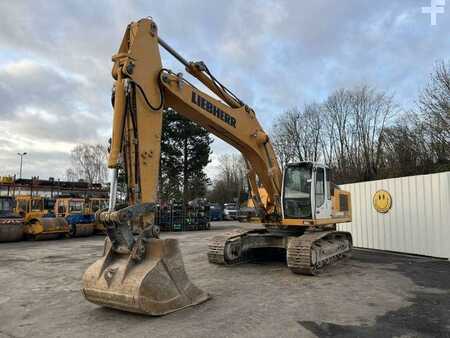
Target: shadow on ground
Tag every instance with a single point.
(427, 316)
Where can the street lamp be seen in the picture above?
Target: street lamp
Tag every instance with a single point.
(21, 160)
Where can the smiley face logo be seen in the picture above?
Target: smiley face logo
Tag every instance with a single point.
(382, 201)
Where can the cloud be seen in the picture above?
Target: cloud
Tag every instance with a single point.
(55, 60)
(30, 88)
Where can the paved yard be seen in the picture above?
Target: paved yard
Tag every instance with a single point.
(369, 295)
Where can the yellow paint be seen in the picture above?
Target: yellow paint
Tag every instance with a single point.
(382, 201)
(262, 194)
(6, 179)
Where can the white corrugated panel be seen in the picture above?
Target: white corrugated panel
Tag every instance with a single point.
(418, 221)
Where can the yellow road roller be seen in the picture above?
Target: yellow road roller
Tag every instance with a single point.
(77, 215)
(11, 224)
(40, 221)
(96, 205)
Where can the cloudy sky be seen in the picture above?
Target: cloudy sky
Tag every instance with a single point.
(55, 60)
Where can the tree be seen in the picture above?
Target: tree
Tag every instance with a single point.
(231, 180)
(370, 111)
(345, 131)
(296, 135)
(337, 141)
(170, 166)
(405, 150)
(71, 175)
(283, 139)
(88, 163)
(353, 132)
(434, 105)
(352, 135)
(419, 142)
(185, 150)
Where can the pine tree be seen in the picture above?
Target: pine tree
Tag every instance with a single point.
(185, 149)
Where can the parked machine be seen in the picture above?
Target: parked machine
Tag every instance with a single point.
(40, 221)
(145, 274)
(96, 205)
(215, 212)
(247, 211)
(11, 223)
(77, 215)
(230, 211)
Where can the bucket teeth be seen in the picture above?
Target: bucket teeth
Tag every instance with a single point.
(156, 285)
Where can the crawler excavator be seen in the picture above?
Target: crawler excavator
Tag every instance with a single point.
(146, 274)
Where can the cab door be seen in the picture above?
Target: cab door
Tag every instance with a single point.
(321, 194)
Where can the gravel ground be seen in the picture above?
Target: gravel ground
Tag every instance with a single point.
(373, 294)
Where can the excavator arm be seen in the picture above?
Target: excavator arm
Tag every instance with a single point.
(144, 273)
(238, 127)
(141, 79)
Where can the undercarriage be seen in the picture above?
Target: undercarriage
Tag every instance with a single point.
(307, 252)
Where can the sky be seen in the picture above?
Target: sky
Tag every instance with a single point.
(55, 61)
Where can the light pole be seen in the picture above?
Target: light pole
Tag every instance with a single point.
(21, 160)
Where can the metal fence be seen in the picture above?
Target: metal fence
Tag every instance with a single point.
(178, 217)
(417, 222)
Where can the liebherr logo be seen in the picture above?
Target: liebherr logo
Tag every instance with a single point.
(217, 112)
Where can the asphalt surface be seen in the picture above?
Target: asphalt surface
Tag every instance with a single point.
(372, 294)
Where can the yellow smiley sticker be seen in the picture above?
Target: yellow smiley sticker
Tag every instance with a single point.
(382, 201)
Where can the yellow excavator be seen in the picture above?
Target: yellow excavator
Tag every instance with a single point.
(146, 274)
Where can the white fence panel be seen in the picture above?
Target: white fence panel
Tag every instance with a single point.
(418, 221)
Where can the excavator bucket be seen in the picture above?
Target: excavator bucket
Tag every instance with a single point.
(156, 284)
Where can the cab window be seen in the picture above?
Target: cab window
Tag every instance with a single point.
(61, 209)
(76, 206)
(297, 192)
(49, 204)
(22, 206)
(104, 204)
(95, 205)
(36, 204)
(328, 183)
(320, 187)
(5, 205)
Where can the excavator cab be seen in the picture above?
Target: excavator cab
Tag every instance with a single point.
(309, 194)
(306, 191)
